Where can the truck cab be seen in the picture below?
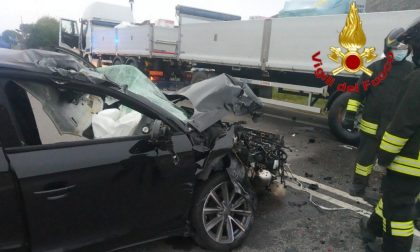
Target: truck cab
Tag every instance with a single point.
(98, 18)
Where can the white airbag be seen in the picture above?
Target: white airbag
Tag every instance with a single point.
(114, 123)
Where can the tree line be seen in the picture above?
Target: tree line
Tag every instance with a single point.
(43, 34)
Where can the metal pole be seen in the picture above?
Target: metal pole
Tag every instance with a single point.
(131, 4)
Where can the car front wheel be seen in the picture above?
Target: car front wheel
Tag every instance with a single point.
(221, 217)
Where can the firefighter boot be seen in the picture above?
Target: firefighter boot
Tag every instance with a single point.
(373, 247)
(359, 185)
(366, 234)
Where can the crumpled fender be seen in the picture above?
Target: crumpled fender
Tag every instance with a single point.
(216, 159)
(237, 175)
(222, 158)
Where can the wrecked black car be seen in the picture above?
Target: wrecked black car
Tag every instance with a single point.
(101, 159)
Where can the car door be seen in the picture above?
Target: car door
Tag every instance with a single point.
(105, 192)
(79, 194)
(12, 233)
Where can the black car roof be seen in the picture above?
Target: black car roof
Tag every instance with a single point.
(39, 61)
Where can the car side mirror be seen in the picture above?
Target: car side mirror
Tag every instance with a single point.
(159, 130)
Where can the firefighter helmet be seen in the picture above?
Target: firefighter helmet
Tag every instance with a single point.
(392, 40)
(412, 37)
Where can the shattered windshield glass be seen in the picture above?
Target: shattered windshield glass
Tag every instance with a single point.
(138, 83)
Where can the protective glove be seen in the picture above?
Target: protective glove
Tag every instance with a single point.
(348, 122)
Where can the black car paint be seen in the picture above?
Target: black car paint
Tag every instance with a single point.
(108, 191)
(94, 189)
(12, 231)
(95, 195)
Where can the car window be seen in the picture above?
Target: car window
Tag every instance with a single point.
(139, 84)
(63, 115)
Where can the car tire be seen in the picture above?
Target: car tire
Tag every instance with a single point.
(223, 226)
(335, 121)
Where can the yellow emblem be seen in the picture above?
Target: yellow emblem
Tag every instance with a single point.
(353, 38)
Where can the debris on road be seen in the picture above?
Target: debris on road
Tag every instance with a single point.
(349, 147)
(297, 204)
(308, 175)
(313, 187)
(306, 128)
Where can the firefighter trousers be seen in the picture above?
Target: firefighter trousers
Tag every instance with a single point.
(365, 160)
(393, 218)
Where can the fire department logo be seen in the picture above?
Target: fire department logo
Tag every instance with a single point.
(353, 39)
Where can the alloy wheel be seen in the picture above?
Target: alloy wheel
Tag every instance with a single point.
(226, 214)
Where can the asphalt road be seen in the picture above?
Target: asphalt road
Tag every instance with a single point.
(292, 223)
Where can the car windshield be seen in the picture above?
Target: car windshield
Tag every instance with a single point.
(138, 83)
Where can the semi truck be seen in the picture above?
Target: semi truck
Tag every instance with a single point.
(269, 54)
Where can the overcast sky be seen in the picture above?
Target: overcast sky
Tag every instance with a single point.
(12, 12)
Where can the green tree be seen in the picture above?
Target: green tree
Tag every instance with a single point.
(41, 35)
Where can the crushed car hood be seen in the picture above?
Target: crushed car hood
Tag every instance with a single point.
(215, 98)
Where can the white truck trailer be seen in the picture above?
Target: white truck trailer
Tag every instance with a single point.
(270, 53)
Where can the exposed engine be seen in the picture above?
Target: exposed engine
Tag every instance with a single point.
(263, 154)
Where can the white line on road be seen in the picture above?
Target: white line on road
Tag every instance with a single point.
(332, 200)
(333, 190)
(337, 202)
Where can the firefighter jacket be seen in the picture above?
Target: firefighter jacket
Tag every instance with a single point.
(379, 93)
(400, 144)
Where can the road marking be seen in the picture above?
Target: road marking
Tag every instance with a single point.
(332, 200)
(338, 202)
(333, 190)
(297, 121)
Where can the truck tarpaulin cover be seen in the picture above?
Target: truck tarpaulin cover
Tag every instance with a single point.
(295, 8)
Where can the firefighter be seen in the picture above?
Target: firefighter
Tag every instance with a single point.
(399, 152)
(379, 103)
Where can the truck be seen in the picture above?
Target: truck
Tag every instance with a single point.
(273, 54)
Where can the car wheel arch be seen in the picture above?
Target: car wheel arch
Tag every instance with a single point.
(215, 164)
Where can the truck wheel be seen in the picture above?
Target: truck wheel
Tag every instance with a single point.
(198, 76)
(221, 218)
(335, 121)
(117, 61)
(132, 62)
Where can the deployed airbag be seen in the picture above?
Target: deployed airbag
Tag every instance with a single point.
(114, 123)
